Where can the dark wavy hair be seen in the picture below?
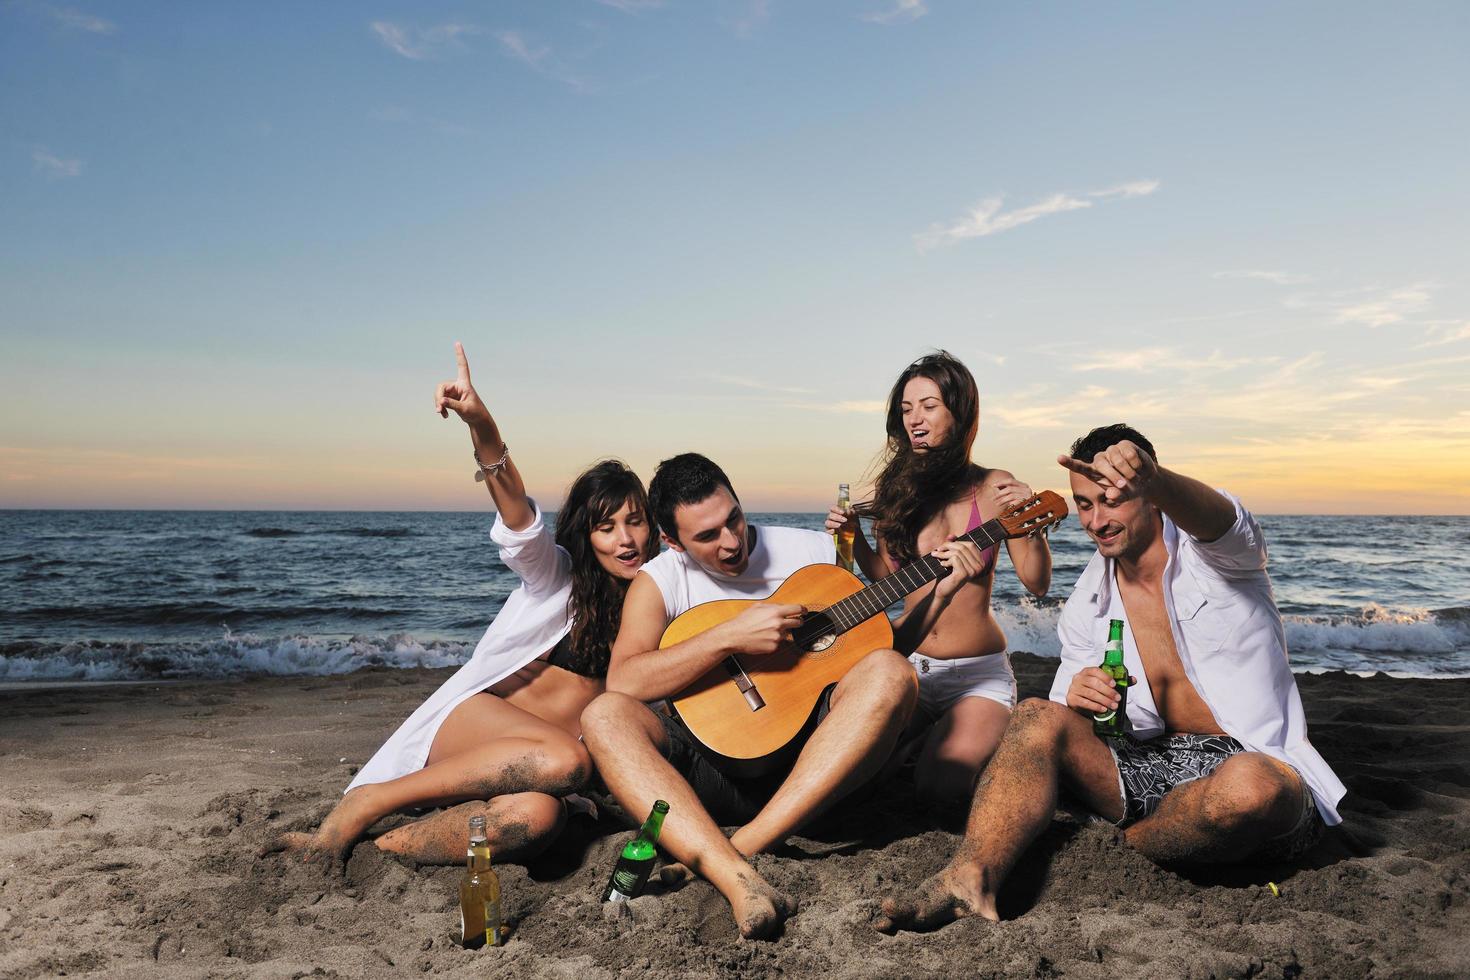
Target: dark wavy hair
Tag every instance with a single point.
(684, 479)
(912, 488)
(596, 602)
(1104, 436)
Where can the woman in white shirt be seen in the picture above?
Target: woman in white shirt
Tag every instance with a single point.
(500, 737)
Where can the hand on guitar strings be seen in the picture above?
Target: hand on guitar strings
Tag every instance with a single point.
(763, 627)
(965, 562)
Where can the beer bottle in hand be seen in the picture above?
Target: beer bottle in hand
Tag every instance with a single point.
(843, 539)
(1112, 724)
(479, 893)
(631, 872)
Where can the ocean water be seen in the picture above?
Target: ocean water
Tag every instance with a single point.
(141, 595)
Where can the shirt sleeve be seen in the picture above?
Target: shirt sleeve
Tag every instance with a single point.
(1239, 551)
(532, 553)
(1078, 648)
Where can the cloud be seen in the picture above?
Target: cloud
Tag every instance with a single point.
(1375, 307)
(421, 44)
(987, 218)
(632, 6)
(1136, 188)
(1445, 333)
(77, 20)
(540, 59)
(53, 166)
(1148, 359)
(1279, 278)
(753, 14)
(739, 382)
(902, 12)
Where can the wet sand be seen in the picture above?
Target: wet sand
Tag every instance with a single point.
(130, 816)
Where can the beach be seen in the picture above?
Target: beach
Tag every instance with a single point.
(132, 816)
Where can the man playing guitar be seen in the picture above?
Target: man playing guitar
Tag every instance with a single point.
(645, 756)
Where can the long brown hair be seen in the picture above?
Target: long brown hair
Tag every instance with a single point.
(596, 602)
(912, 488)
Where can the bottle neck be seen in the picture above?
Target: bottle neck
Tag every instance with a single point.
(478, 858)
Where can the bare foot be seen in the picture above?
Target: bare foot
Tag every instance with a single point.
(954, 893)
(333, 840)
(759, 909)
(675, 875)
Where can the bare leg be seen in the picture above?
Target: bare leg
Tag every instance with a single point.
(870, 707)
(958, 747)
(625, 739)
(502, 749)
(1248, 800)
(519, 826)
(1046, 744)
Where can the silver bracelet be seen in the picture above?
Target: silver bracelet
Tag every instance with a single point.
(490, 469)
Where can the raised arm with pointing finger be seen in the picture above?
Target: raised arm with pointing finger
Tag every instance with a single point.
(502, 478)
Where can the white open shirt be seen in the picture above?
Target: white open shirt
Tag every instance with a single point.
(1230, 639)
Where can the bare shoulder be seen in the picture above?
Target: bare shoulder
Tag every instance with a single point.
(995, 477)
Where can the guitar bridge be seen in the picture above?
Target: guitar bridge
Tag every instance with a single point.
(745, 685)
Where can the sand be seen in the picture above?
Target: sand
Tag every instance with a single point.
(131, 815)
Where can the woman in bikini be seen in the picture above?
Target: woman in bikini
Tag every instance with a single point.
(500, 737)
(927, 493)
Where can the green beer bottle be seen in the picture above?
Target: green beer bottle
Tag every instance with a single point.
(631, 872)
(1112, 724)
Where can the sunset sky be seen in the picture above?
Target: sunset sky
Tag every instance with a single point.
(238, 241)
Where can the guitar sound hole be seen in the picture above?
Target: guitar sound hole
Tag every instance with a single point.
(821, 643)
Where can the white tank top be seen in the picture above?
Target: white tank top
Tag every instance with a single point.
(778, 552)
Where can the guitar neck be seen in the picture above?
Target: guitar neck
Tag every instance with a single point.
(862, 606)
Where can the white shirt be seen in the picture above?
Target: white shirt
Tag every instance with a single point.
(532, 621)
(1230, 639)
(778, 552)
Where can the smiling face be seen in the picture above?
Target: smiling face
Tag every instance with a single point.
(927, 422)
(620, 541)
(1122, 530)
(713, 532)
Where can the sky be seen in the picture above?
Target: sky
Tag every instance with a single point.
(238, 241)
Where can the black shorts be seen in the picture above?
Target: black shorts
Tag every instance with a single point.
(1147, 771)
(729, 799)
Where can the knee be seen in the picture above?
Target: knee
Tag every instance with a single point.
(888, 674)
(541, 815)
(1247, 789)
(607, 713)
(568, 766)
(1038, 718)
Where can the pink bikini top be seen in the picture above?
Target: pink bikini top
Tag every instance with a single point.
(988, 555)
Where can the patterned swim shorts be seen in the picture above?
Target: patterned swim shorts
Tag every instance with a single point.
(1149, 770)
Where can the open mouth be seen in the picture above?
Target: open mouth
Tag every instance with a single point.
(919, 437)
(1108, 534)
(630, 558)
(734, 559)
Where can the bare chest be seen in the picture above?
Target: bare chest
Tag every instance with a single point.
(1179, 704)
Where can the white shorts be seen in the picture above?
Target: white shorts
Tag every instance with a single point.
(942, 683)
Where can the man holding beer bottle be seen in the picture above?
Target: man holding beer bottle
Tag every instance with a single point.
(1213, 763)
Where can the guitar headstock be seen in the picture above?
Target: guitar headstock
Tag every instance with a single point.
(1038, 515)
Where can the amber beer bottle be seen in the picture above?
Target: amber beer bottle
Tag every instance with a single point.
(843, 539)
(479, 893)
(631, 872)
(1112, 724)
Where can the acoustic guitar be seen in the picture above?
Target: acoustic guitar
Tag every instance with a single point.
(748, 708)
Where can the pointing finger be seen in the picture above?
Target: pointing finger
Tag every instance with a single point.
(464, 365)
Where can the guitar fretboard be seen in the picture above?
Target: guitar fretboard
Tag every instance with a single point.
(862, 606)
